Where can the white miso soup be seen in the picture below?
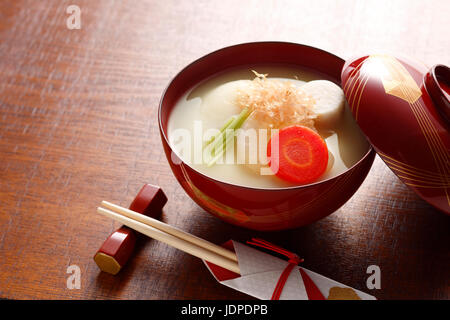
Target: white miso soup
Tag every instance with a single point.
(200, 114)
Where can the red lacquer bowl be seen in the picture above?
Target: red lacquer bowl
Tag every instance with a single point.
(259, 208)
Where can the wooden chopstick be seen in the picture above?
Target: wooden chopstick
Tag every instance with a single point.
(173, 241)
(171, 230)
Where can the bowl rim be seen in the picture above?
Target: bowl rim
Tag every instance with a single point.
(369, 152)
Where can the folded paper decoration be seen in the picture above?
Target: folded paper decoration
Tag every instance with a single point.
(261, 272)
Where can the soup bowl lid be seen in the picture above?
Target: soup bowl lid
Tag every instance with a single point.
(404, 111)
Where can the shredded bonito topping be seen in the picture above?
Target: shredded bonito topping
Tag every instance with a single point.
(277, 104)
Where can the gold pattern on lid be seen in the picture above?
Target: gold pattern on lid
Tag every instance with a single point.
(413, 175)
(395, 77)
(397, 81)
(437, 147)
(357, 80)
(338, 293)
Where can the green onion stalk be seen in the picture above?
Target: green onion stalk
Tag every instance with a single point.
(219, 143)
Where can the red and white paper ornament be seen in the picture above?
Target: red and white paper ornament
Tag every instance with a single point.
(265, 276)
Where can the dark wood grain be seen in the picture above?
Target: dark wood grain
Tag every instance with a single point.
(78, 125)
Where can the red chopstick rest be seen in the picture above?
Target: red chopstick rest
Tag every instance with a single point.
(118, 247)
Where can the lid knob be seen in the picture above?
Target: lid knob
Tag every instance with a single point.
(437, 84)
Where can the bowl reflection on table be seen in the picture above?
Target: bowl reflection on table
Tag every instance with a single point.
(261, 208)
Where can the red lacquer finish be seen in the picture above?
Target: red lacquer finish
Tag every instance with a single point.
(403, 110)
(437, 85)
(257, 208)
(149, 201)
(119, 246)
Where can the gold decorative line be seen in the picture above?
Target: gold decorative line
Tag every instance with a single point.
(435, 144)
(439, 153)
(442, 184)
(405, 165)
(423, 128)
(427, 128)
(350, 96)
(442, 163)
(352, 86)
(360, 95)
(431, 144)
(443, 152)
(440, 149)
(440, 166)
(433, 136)
(436, 180)
(359, 82)
(418, 171)
(352, 74)
(398, 76)
(349, 91)
(423, 186)
(415, 175)
(433, 130)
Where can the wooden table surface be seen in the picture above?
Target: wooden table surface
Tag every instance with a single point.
(78, 125)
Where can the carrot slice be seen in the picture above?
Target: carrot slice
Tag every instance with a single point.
(302, 155)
